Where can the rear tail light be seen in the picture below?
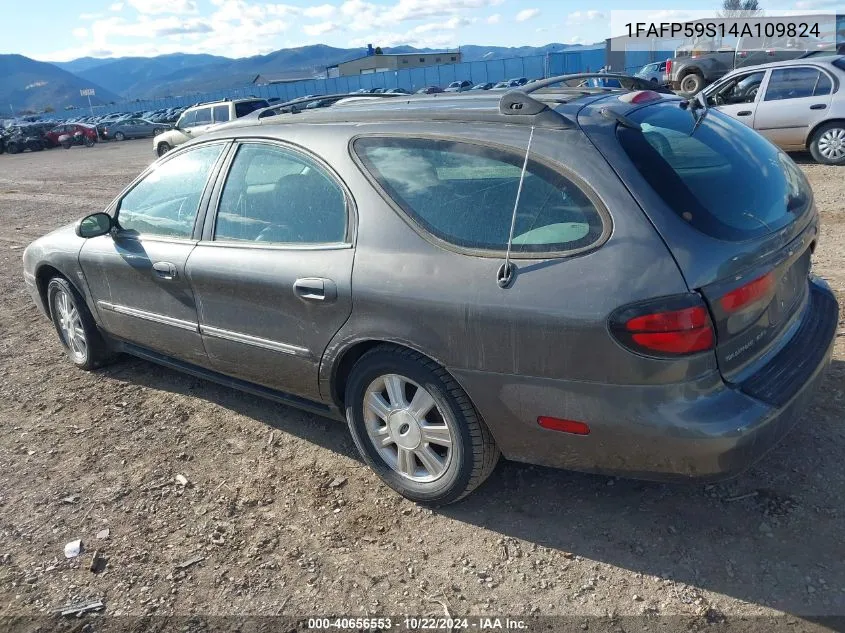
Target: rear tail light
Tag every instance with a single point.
(667, 327)
(743, 54)
(668, 66)
(752, 292)
(770, 53)
(641, 96)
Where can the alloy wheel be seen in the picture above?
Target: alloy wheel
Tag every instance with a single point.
(831, 144)
(411, 433)
(70, 325)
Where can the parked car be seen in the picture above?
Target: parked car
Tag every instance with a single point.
(681, 341)
(134, 128)
(459, 86)
(20, 139)
(75, 137)
(199, 119)
(397, 91)
(519, 81)
(655, 73)
(429, 90)
(87, 131)
(483, 86)
(795, 104)
(502, 85)
(703, 61)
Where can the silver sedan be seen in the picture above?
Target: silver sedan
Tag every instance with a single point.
(796, 104)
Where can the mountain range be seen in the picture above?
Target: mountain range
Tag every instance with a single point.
(26, 84)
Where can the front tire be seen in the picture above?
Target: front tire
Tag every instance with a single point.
(828, 144)
(120, 136)
(13, 148)
(416, 427)
(75, 326)
(163, 148)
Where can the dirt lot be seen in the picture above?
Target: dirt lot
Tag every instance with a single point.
(82, 452)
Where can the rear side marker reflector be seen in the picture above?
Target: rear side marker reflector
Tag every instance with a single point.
(564, 426)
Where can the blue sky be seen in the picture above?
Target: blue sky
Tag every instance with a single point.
(59, 30)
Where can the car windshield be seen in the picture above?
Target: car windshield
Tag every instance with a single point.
(717, 174)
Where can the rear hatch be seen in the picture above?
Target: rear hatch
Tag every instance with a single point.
(738, 216)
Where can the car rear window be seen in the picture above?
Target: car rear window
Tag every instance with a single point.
(464, 194)
(718, 175)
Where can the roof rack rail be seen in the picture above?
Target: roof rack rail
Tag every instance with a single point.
(626, 82)
(297, 105)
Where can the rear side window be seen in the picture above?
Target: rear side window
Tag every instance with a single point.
(796, 83)
(245, 107)
(464, 194)
(221, 113)
(720, 176)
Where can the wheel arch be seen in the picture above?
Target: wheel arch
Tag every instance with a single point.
(340, 367)
(818, 125)
(43, 274)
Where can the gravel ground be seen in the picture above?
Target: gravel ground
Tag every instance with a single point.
(287, 520)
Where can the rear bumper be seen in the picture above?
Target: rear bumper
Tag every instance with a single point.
(698, 430)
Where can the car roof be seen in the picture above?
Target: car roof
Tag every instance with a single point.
(798, 61)
(554, 108)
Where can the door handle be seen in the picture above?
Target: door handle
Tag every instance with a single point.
(165, 270)
(744, 113)
(315, 289)
(818, 106)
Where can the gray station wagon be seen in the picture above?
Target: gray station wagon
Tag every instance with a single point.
(603, 280)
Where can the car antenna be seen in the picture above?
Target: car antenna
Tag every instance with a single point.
(504, 275)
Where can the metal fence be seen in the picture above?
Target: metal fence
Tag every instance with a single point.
(534, 67)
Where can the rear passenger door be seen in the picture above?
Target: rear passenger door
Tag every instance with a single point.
(796, 98)
(272, 274)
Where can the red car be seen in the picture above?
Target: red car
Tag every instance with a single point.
(70, 128)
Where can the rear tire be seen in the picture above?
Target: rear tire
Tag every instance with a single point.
(89, 142)
(416, 427)
(163, 148)
(691, 84)
(67, 144)
(77, 330)
(157, 131)
(828, 144)
(13, 148)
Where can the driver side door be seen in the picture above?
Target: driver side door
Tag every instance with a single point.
(136, 274)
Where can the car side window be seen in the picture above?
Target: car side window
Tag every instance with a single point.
(203, 116)
(277, 196)
(188, 119)
(221, 113)
(166, 201)
(743, 89)
(797, 83)
(464, 194)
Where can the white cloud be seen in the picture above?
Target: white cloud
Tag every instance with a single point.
(527, 14)
(117, 6)
(323, 11)
(90, 16)
(495, 18)
(578, 17)
(320, 29)
(164, 6)
(364, 15)
(80, 32)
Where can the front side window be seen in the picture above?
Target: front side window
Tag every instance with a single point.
(464, 194)
(277, 196)
(797, 83)
(741, 89)
(189, 119)
(204, 116)
(166, 201)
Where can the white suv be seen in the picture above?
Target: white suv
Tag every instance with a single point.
(198, 119)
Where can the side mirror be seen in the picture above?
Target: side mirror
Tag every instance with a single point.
(94, 225)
